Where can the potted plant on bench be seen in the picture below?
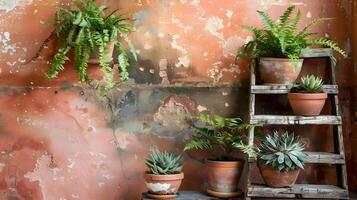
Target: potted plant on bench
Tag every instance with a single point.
(280, 158)
(92, 35)
(307, 98)
(217, 133)
(164, 177)
(279, 45)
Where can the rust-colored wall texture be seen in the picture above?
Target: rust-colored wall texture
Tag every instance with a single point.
(58, 140)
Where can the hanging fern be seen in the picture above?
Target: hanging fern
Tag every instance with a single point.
(282, 39)
(86, 30)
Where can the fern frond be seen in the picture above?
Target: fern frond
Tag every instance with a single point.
(284, 19)
(197, 143)
(311, 24)
(123, 64)
(250, 150)
(329, 43)
(267, 21)
(58, 62)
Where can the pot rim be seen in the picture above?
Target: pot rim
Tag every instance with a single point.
(312, 96)
(279, 59)
(224, 164)
(169, 177)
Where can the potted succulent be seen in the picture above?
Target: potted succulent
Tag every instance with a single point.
(164, 177)
(92, 35)
(307, 98)
(279, 45)
(280, 158)
(222, 135)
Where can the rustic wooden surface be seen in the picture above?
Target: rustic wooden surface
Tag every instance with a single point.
(295, 120)
(317, 53)
(299, 191)
(284, 89)
(324, 158)
(192, 195)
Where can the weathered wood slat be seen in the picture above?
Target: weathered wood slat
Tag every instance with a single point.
(299, 191)
(295, 120)
(324, 157)
(284, 89)
(316, 53)
(191, 195)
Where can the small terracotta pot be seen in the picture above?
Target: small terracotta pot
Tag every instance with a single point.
(163, 184)
(277, 179)
(307, 104)
(279, 70)
(223, 176)
(94, 56)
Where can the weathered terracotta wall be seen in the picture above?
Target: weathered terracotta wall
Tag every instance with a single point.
(59, 141)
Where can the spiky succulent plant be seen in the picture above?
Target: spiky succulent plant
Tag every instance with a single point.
(163, 163)
(309, 84)
(283, 152)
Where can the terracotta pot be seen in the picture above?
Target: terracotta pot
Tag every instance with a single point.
(279, 70)
(163, 184)
(223, 176)
(275, 178)
(94, 56)
(307, 104)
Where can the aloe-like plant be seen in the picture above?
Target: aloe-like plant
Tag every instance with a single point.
(282, 39)
(308, 84)
(217, 132)
(163, 163)
(87, 30)
(283, 152)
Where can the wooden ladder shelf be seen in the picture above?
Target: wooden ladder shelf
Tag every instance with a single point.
(301, 191)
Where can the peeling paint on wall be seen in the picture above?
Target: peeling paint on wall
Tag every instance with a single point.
(9, 5)
(7, 47)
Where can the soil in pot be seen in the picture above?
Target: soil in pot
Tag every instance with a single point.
(278, 179)
(307, 104)
(94, 56)
(279, 70)
(163, 186)
(223, 177)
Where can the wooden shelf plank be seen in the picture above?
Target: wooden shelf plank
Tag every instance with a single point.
(324, 158)
(284, 89)
(316, 53)
(294, 120)
(299, 191)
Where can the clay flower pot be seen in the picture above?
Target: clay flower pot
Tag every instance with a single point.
(307, 104)
(277, 179)
(161, 186)
(279, 70)
(94, 56)
(223, 178)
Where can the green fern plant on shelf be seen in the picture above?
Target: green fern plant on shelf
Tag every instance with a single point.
(308, 84)
(163, 163)
(283, 152)
(88, 30)
(219, 133)
(282, 39)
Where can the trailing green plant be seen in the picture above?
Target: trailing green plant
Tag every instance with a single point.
(217, 132)
(283, 152)
(163, 163)
(308, 84)
(88, 30)
(282, 39)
